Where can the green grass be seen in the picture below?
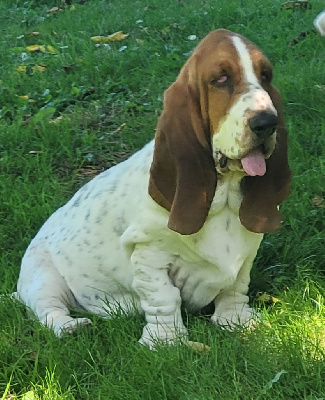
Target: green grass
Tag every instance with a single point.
(92, 107)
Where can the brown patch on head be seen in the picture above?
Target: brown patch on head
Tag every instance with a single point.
(216, 58)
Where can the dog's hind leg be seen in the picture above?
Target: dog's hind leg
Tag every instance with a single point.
(46, 293)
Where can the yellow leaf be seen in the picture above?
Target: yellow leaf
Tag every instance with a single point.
(36, 47)
(22, 68)
(196, 346)
(266, 298)
(72, 8)
(114, 37)
(50, 49)
(24, 97)
(40, 68)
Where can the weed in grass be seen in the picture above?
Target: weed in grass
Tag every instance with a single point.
(88, 108)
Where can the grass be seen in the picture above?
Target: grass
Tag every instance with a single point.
(91, 107)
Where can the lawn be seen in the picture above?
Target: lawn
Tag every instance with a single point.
(72, 107)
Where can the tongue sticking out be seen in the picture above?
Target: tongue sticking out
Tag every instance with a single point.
(254, 163)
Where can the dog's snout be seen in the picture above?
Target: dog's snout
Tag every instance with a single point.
(263, 124)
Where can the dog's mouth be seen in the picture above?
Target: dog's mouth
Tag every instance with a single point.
(253, 163)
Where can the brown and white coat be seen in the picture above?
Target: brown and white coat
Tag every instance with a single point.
(180, 222)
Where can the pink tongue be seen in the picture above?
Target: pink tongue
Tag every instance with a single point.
(254, 163)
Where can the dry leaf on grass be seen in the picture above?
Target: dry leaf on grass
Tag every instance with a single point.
(293, 5)
(53, 10)
(319, 201)
(39, 68)
(21, 68)
(33, 33)
(36, 47)
(41, 48)
(24, 68)
(266, 298)
(24, 97)
(114, 37)
(196, 346)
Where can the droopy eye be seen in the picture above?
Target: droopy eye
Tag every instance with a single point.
(220, 81)
(266, 76)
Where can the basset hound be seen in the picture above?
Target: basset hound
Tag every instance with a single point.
(179, 223)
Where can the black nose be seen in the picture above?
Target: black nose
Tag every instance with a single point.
(263, 124)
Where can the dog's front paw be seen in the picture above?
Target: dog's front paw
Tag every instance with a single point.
(71, 326)
(153, 334)
(233, 318)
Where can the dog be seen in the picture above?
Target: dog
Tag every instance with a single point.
(179, 223)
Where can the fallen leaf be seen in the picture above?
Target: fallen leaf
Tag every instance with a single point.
(39, 68)
(114, 37)
(319, 201)
(24, 97)
(36, 47)
(290, 5)
(50, 49)
(33, 33)
(21, 68)
(266, 298)
(53, 10)
(41, 48)
(196, 346)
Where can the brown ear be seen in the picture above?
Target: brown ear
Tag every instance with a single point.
(263, 194)
(183, 177)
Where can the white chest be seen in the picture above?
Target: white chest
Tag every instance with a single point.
(209, 262)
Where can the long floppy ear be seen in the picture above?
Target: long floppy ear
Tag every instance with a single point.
(183, 176)
(263, 194)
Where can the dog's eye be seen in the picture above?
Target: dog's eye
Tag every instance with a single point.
(266, 76)
(222, 80)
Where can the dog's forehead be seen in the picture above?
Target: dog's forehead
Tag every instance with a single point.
(222, 46)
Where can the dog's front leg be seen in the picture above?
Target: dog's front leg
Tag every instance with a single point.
(159, 298)
(231, 305)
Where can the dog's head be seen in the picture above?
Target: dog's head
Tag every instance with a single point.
(221, 115)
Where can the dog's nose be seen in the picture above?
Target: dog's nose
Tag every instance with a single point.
(263, 124)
